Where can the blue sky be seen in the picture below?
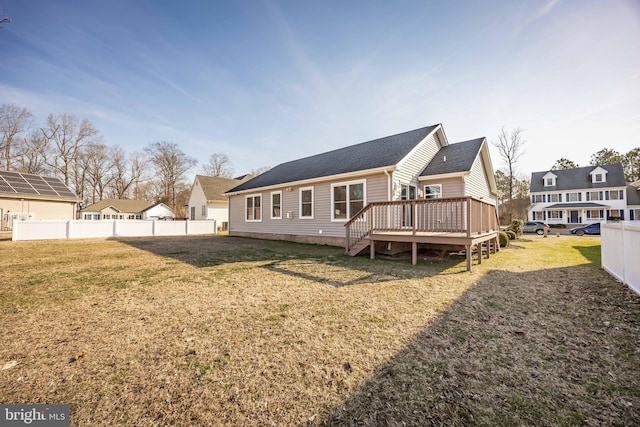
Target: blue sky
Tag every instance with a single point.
(271, 81)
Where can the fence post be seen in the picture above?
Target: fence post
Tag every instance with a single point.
(186, 227)
(153, 228)
(15, 234)
(115, 228)
(70, 229)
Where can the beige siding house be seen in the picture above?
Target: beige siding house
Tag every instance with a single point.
(33, 197)
(207, 200)
(312, 199)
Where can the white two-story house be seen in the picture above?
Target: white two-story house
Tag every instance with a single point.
(578, 196)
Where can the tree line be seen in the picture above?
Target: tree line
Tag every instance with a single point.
(74, 150)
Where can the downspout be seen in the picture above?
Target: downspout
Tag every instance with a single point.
(389, 184)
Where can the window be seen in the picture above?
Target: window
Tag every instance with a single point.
(538, 216)
(597, 177)
(595, 214)
(204, 211)
(433, 191)
(573, 197)
(554, 215)
(616, 195)
(193, 212)
(306, 202)
(537, 198)
(276, 205)
(594, 195)
(253, 209)
(554, 198)
(616, 214)
(347, 200)
(106, 216)
(548, 182)
(634, 214)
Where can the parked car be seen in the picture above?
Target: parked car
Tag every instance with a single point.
(587, 229)
(537, 227)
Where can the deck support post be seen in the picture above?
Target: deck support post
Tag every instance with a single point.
(479, 249)
(468, 248)
(414, 253)
(372, 249)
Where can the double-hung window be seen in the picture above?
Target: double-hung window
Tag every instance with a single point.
(253, 208)
(306, 202)
(347, 199)
(276, 205)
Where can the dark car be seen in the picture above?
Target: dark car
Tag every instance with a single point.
(587, 229)
(537, 227)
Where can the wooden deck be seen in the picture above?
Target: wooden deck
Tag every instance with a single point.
(464, 222)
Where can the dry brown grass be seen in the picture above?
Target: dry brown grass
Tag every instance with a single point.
(222, 331)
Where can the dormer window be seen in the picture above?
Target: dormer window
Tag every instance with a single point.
(549, 179)
(598, 175)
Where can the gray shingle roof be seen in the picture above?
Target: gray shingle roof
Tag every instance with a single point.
(578, 178)
(633, 195)
(121, 205)
(214, 187)
(373, 154)
(576, 205)
(458, 157)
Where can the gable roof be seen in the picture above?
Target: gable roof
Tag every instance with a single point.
(30, 186)
(374, 154)
(454, 158)
(120, 205)
(578, 178)
(214, 187)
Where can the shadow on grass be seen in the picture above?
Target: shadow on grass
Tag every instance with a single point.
(591, 253)
(550, 347)
(305, 261)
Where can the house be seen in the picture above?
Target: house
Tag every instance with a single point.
(124, 209)
(315, 199)
(633, 201)
(26, 196)
(207, 200)
(579, 195)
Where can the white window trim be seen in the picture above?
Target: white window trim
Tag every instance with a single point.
(347, 184)
(424, 191)
(271, 204)
(312, 202)
(245, 207)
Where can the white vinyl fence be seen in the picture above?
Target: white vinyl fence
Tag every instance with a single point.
(621, 251)
(68, 229)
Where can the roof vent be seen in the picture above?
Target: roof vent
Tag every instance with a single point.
(445, 158)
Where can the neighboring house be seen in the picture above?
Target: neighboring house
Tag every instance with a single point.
(26, 196)
(633, 201)
(579, 196)
(123, 209)
(207, 200)
(312, 199)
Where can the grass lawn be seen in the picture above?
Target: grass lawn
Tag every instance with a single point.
(230, 331)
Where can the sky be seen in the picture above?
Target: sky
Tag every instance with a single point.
(266, 82)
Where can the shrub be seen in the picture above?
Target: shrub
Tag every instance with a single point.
(557, 226)
(511, 234)
(516, 226)
(503, 239)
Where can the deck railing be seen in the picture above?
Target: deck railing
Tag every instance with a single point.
(468, 215)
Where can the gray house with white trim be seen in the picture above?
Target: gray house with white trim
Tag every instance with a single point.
(311, 199)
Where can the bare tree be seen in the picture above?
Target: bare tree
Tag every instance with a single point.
(13, 121)
(219, 165)
(67, 137)
(32, 153)
(171, 164)
(511, 147)
(138, 170)
(96, 164)
(260, 170)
